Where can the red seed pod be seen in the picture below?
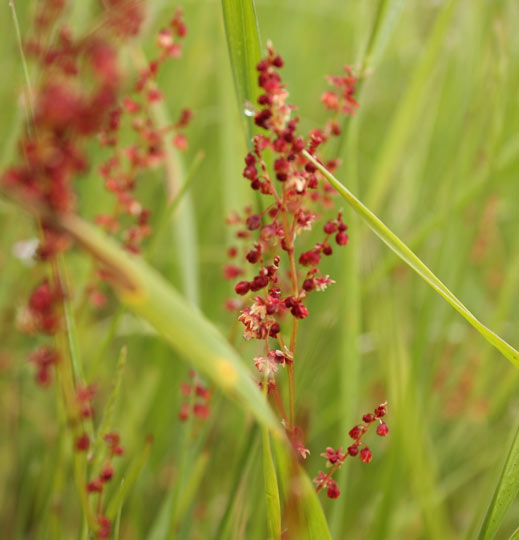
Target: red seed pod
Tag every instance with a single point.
(327, 249)
(253, 256)
(242, 287)
(353, 450)
(366, 455)
(381, 410)
(333, 491)
(253, 222)
(82, 443)
(382, 429)
(341, 238)
(357, 432)
(330, 227)
(299, 311)
(368, 418)
(106, 473)
(309, 284)
(274, 330)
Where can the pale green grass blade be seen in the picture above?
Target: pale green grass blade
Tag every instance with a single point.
(185, 328)
(515, 535)
(401, 249)
(244, 50)
(505, 493)
(405, 117)
(190, 490)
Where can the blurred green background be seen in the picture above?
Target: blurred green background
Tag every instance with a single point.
(433, 151)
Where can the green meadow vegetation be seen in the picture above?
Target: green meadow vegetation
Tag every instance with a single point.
(153, 387)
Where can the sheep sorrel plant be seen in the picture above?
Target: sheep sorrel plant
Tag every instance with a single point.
(324, 388)
(296, 192)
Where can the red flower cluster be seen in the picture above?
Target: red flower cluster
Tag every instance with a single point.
(147, 151)
(196, 399)
(43, 308)
(114, 449)
(44, 358)
(295, 195)
(335, 458)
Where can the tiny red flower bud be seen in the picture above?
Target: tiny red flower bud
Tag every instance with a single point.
(278, 62)
(333, 491)
(262, 66)
(366, 455)
(253, 256)
(353, 450)
(341, 238)
(299, 311)
(327, 249)
(183, 414)
(259, 282)
(106, 473)
(201, 411)
(357, 432)
(382, 429)
(274, 330)
(254, 222)
(251, 173)
(309, 285)
(310, 167)
(95, 486)
(82, 443)
(243, 287)
(368, 418)
(381, 410)
(330, 227)
(250, 160)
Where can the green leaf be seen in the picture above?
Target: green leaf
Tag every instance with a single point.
(244, 49)
(401, 249)
(148, 294)
(505, 493)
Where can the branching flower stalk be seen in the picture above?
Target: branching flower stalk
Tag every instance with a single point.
(295, 197)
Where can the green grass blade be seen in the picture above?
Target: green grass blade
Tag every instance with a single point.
(504, 494)
(128, 481)
(271, 489)
(401, 249)
(243, 41)
(146, 293)
(515, 535)
(305, 516)
(189, 491)
(409, 108)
